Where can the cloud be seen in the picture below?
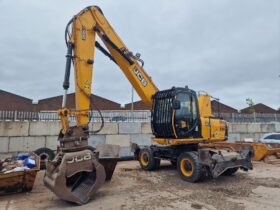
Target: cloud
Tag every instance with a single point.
(230, 49)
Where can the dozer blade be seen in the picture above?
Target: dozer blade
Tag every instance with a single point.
(220, 157)
(76, 176)
(261, 151)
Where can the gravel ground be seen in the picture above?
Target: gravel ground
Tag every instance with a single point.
(133, 188)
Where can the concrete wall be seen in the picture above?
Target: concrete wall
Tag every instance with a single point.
(28, 136)
(241, 131)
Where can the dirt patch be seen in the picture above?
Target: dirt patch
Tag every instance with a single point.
(133, 188)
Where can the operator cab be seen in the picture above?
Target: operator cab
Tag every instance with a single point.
(175, 114)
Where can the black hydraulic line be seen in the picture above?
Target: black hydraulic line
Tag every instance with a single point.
(126, 57)
(102, 119)
(68, 66)
(66, 34)
(104, 51)
(115, 47)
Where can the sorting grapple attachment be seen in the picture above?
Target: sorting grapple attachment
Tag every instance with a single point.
(76, 176)
(108, 157)
(78, 170)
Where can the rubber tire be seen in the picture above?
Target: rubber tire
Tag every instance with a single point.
(230, 171)
(153, 163)
(44, 151)
(173, 163)
(197, 173)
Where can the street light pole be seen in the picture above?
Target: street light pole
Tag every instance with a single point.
(132, 108)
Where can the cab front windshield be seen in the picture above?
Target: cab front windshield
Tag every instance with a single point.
(187, 107)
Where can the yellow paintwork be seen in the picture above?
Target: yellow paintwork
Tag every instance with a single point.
(183, 169)
(204, 104)
(143, 158)
(83, 37)
(91, 22)
(212, 129)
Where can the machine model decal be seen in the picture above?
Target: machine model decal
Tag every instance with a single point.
(140, 76)
(77, 159)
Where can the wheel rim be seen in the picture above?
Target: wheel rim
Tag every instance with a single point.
(186, 167)
(144, 159)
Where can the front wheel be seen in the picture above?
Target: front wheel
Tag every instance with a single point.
(147, 160)
(189, 167)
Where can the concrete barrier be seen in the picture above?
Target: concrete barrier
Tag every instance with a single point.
(14, 129)
(4, 142)
(129, 128)
(28, 136)
(44, 129)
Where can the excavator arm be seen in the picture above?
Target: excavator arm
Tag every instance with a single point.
(86, 25)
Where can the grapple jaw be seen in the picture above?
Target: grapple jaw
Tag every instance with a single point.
(76, 173)
(77, 177)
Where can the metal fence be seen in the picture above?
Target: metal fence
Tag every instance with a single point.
(255, 117)
(128, 116)
(108, 116)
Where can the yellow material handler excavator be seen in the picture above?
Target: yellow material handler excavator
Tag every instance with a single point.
(181, 121)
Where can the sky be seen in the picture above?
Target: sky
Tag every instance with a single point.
(228, 48)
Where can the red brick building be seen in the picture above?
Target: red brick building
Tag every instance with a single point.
(222, 108)
(13, 102)
(137, 105)
(54, 103)
(258, 108)
(140, 105)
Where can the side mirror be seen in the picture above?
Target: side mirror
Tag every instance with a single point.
(176, 104)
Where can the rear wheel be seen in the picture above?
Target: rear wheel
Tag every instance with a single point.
(230, 171)
(147, 160)
(189, 167)
(173, 163)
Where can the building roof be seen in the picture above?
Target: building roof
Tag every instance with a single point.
(12, 102)
(140, 105)
(258, 108)
(54, 103)
(137, 105)
(222, 108)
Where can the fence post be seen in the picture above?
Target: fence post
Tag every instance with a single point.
(15, 115)
(254, 114)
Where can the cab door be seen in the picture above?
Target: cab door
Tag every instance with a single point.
(186, 117)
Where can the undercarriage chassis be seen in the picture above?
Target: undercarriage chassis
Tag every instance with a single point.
(212, 162)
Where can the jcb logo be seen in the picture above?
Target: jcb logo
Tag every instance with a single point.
(140, 76)
(78, 159)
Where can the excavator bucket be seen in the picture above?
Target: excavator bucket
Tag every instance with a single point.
(76, 176)
(269, 153)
